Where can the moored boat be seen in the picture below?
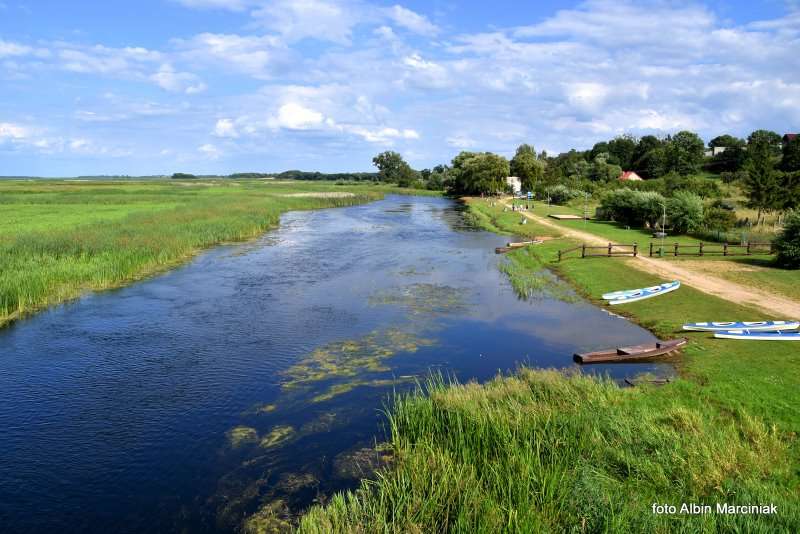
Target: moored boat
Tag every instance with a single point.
(635, 353)
(645, 293)
(753, 326)
(758, 336)
(524, 243)
(632, 292)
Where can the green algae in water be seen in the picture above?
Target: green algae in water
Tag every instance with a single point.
(423, 299)
(352, 358)
(323, 423)
(272, 517)
(530, 278)
(241, 435)
(339, 389)
(279, 435)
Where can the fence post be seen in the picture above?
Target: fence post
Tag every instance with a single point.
(609, 250)
(701, 249)
(635, 249)
(651, 249)
(748, 248)
(559, 256)
(676, 250)
(583, 250)
(725, 249)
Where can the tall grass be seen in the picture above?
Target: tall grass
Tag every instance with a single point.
(47, 265)
(545, 452)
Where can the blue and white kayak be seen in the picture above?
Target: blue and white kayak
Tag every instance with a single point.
(614, 295)
(752, 326)
(758, 336)
(645, 293)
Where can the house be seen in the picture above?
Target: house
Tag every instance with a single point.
(629, 176)
(515, 184)
(789, 137)
(713, 151)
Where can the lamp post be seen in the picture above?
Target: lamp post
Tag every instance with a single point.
(663, 228)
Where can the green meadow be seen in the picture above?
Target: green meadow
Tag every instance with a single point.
(543, 451)
(61, 238)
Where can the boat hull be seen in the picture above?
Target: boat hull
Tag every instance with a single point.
(752, 326)
(758, 336)
(646, 293)
(648, 351)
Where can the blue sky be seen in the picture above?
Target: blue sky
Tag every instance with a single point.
(219, 86)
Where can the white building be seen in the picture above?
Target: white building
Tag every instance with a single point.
(515, 184)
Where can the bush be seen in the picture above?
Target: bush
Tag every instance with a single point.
(703, 187)
(561, 194)
(719, 219)
(787, 244)
(632, 208)
(731, 177)
(685, 212)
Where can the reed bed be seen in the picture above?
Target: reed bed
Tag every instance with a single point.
(133, 230)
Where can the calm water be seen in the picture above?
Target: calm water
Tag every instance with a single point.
(182, 402)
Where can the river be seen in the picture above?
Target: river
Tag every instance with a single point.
(250, 374)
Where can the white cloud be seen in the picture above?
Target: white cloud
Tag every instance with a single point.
(183, 82)
(251, 55)
(412, 21)
(317, 19)
(296, 117)
(226, 128)
(10, 130)
(209, 151)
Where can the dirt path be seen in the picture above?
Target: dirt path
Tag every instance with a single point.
(772, 303)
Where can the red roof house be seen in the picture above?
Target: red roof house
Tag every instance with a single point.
(789, 137)
(628, 176)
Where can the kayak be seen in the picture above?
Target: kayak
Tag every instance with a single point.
(758, 336)
(752, 326)
(645, 293)
(630, 292)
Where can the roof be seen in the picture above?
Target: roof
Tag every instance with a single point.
(629, 175)
(789, 137)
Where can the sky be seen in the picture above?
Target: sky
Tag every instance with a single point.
(222, 86)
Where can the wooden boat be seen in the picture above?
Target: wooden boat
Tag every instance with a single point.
(631, 292)
(525, 243)
(752, 326)
(631, 354)
(502, 250)
(646, 293)
(758, 336)
(651, 381)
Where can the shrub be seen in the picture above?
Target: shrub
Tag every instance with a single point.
(787, 244)
(719, 219)
(703, 187)
(685, 212)
(632, 208)
(561, 194)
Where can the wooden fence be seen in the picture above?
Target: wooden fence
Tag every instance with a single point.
(606, 251)
(676, 249)
(710, 249)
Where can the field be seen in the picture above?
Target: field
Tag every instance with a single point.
(61, 238)
(541, 451)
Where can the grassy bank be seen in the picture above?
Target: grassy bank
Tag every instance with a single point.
(541, 451)
(60, 238)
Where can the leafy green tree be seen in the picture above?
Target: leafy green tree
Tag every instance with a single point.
(717, 219)
(622, 149)
(684, 153)
(183, 176)
(768, 137)
(633, 208)
(479, 172)
(761, 184)
(560, 194)
(685, 212)
(787, 244)
(527, 167)
(392, 168)
(791, 156)
(649, 159)
(724, 141)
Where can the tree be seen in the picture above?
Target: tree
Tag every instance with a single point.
(761, 183)
(622, 149)
(560, 194)
(392, 168)
(791, 156)
(684, 153)
(787, 244)
(648, 158)
(718, 219)
(479, 172)
(724, 141)
(527, 167)
(770, 138)
(685, 212)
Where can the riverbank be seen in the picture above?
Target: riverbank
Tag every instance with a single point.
(61, 238)
(544, 451)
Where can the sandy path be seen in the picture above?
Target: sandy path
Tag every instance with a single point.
(772, 303)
